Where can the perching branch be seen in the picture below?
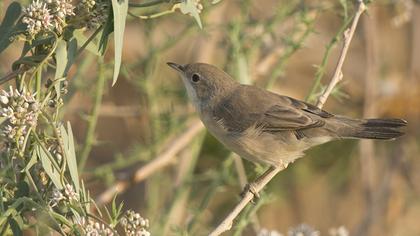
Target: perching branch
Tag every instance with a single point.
(263, 180)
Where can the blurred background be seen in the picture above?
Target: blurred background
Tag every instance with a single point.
(144, 139)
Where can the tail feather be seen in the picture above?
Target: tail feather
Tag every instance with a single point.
(375, 128)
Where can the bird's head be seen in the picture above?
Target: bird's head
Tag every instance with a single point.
(204, 83)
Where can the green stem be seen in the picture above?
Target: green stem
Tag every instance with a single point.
(151, 3)
(38, 84)
(92, 120)
(152, 16)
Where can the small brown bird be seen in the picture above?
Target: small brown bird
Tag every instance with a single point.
(265, 127)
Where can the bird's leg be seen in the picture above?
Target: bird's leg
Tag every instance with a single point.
(252, 187)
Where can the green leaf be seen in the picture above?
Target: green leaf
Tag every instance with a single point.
(48, 167)
(61, 59)
(31, 162)
(189, 7)
(46, 218)
(8, 27)
(71, 54)
(120, 9)
(92, 47)
(71, 158)
(3, 119)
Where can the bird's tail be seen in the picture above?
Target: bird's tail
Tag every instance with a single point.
(371, 128)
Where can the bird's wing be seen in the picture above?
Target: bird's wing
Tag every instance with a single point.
(253, 107)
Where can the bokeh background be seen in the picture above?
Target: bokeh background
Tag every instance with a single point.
(147, 140)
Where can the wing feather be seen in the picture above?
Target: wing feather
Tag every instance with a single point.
(250, 106)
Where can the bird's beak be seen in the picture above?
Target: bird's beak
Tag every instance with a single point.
(179, 68)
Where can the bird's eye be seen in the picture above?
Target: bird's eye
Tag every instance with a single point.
(195, 78)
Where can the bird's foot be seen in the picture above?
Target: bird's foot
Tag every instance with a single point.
(250, 187)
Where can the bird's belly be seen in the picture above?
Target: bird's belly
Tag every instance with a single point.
(273, 149)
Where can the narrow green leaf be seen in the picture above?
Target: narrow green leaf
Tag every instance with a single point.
(3, 119)
(48, 167)
(71, 158)
(61, 60)
(71, 55)
(31, 162)
(7, 26)
(120, 9)
(46, 217)
(189, 7)
(92, 47)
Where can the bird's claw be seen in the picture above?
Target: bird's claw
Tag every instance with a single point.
(250, 187)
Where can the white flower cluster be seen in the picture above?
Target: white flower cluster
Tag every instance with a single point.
(93, 228)
(198, 5)
(60, 9)
(134, 224)
(37, 18)
(303, 230)
(56, 197)
(67, 194)
(70, 194)
(21, 112)
(45, 15)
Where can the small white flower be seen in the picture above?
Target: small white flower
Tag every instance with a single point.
(37, 18)
(60, 9)
(56, 197)
(93, 228)
(70, 193)
(4, 100)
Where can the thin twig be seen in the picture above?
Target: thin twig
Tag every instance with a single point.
(226, 224)
(338, 74)
(262, 181)
(159, 162)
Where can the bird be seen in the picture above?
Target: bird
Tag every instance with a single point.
(265, 127)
